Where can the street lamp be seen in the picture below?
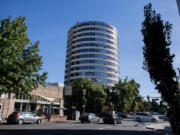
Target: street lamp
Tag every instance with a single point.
(52, 108)
(111, 107)
(84, 100)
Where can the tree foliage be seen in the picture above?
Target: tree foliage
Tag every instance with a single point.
(162, 108)
(157, 57)
(96, 98)
(124, 95)
(20, 61)
(95, 95)
(142, 106)
(158, 61)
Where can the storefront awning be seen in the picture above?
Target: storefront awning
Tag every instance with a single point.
(49, 99)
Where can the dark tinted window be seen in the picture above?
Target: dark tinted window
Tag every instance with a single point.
(86, 114)
(95, 56)
(108, 115)
(91, 29)
(94, 45)
(144, 114)
(94, 39)
(92, 34)
(14, 113)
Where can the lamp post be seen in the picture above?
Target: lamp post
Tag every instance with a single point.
(52, 108)
(84, 100)
(59, 100)
(111, 107)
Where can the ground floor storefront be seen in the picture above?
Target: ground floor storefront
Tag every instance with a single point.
(38, 107)
(45, 100)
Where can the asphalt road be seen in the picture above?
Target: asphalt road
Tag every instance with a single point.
(77, 128)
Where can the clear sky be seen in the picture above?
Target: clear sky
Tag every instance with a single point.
(49, 20)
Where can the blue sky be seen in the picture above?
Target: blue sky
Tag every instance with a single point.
(49, 20)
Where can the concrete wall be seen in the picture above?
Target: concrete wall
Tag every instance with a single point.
(49, 91)
(8, 106)
(58, 118)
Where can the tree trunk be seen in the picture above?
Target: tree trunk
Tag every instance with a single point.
(174, 118)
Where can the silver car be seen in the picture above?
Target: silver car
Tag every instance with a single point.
(23, 117)
(145, 117)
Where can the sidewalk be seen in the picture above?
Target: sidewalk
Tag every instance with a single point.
(158, 126)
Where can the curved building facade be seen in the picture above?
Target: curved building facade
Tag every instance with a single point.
(92, 52)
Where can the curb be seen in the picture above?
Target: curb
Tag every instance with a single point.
(157, 127)
(67, 121)
(149, 128)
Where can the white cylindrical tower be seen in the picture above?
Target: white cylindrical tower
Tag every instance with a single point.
(92, 52)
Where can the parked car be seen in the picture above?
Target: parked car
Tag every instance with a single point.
(89, 117)
(163, 117)
(122, 114)
(112, 118)
(24, 117)
(160, 116)
(145, 117)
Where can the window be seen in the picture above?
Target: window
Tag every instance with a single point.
(95, 56)
(94, 45)
(95, 50)
(94, 68)
(96, 62)
(92, 34)
(95, 39)
(90, 29)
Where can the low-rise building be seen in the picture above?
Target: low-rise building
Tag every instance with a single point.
(45, 100)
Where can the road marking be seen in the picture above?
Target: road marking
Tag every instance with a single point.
(105, 127)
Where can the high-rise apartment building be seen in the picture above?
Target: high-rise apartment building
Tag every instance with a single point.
(92, 52)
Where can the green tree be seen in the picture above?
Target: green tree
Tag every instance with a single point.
(124, 94)
(139, 106)
(95, 95)
(147, 106)
(20, 61)
(162, 107)
(158, 62)
(142, 106)
(96, 98)
(154, 106)
(77, 92)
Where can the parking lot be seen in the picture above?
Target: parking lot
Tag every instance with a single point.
(128, 126)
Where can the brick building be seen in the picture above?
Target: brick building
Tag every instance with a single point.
(44, 100)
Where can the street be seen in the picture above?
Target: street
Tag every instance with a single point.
(128, 127)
